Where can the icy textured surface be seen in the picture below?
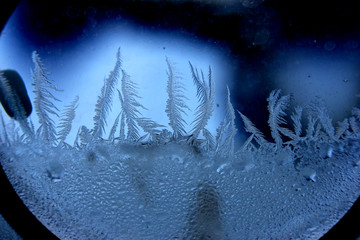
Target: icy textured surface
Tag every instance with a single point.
(182, 185)
(173, 191)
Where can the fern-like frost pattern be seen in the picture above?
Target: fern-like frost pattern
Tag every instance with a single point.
(66, 120)
(146, 180)
(175, 105)
(44, 100)
(205, 94)
(103, 105)
(130, 106)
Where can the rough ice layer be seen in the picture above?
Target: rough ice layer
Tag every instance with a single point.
(179, 185)
(134, 192)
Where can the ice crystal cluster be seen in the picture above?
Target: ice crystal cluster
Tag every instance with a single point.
(136, 179)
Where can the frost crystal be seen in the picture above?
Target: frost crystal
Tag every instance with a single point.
(43, 102)
(178, 185)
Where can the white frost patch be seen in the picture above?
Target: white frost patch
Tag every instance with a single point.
(309, 174)
(221, 167)
(330, 152)
(55, 170)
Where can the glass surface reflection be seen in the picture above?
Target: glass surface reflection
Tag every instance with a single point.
(153, 125)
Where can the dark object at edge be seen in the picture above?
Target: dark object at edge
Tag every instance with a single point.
(17, 87)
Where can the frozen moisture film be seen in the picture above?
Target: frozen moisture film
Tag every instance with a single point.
(135, 179)
(181, 119)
